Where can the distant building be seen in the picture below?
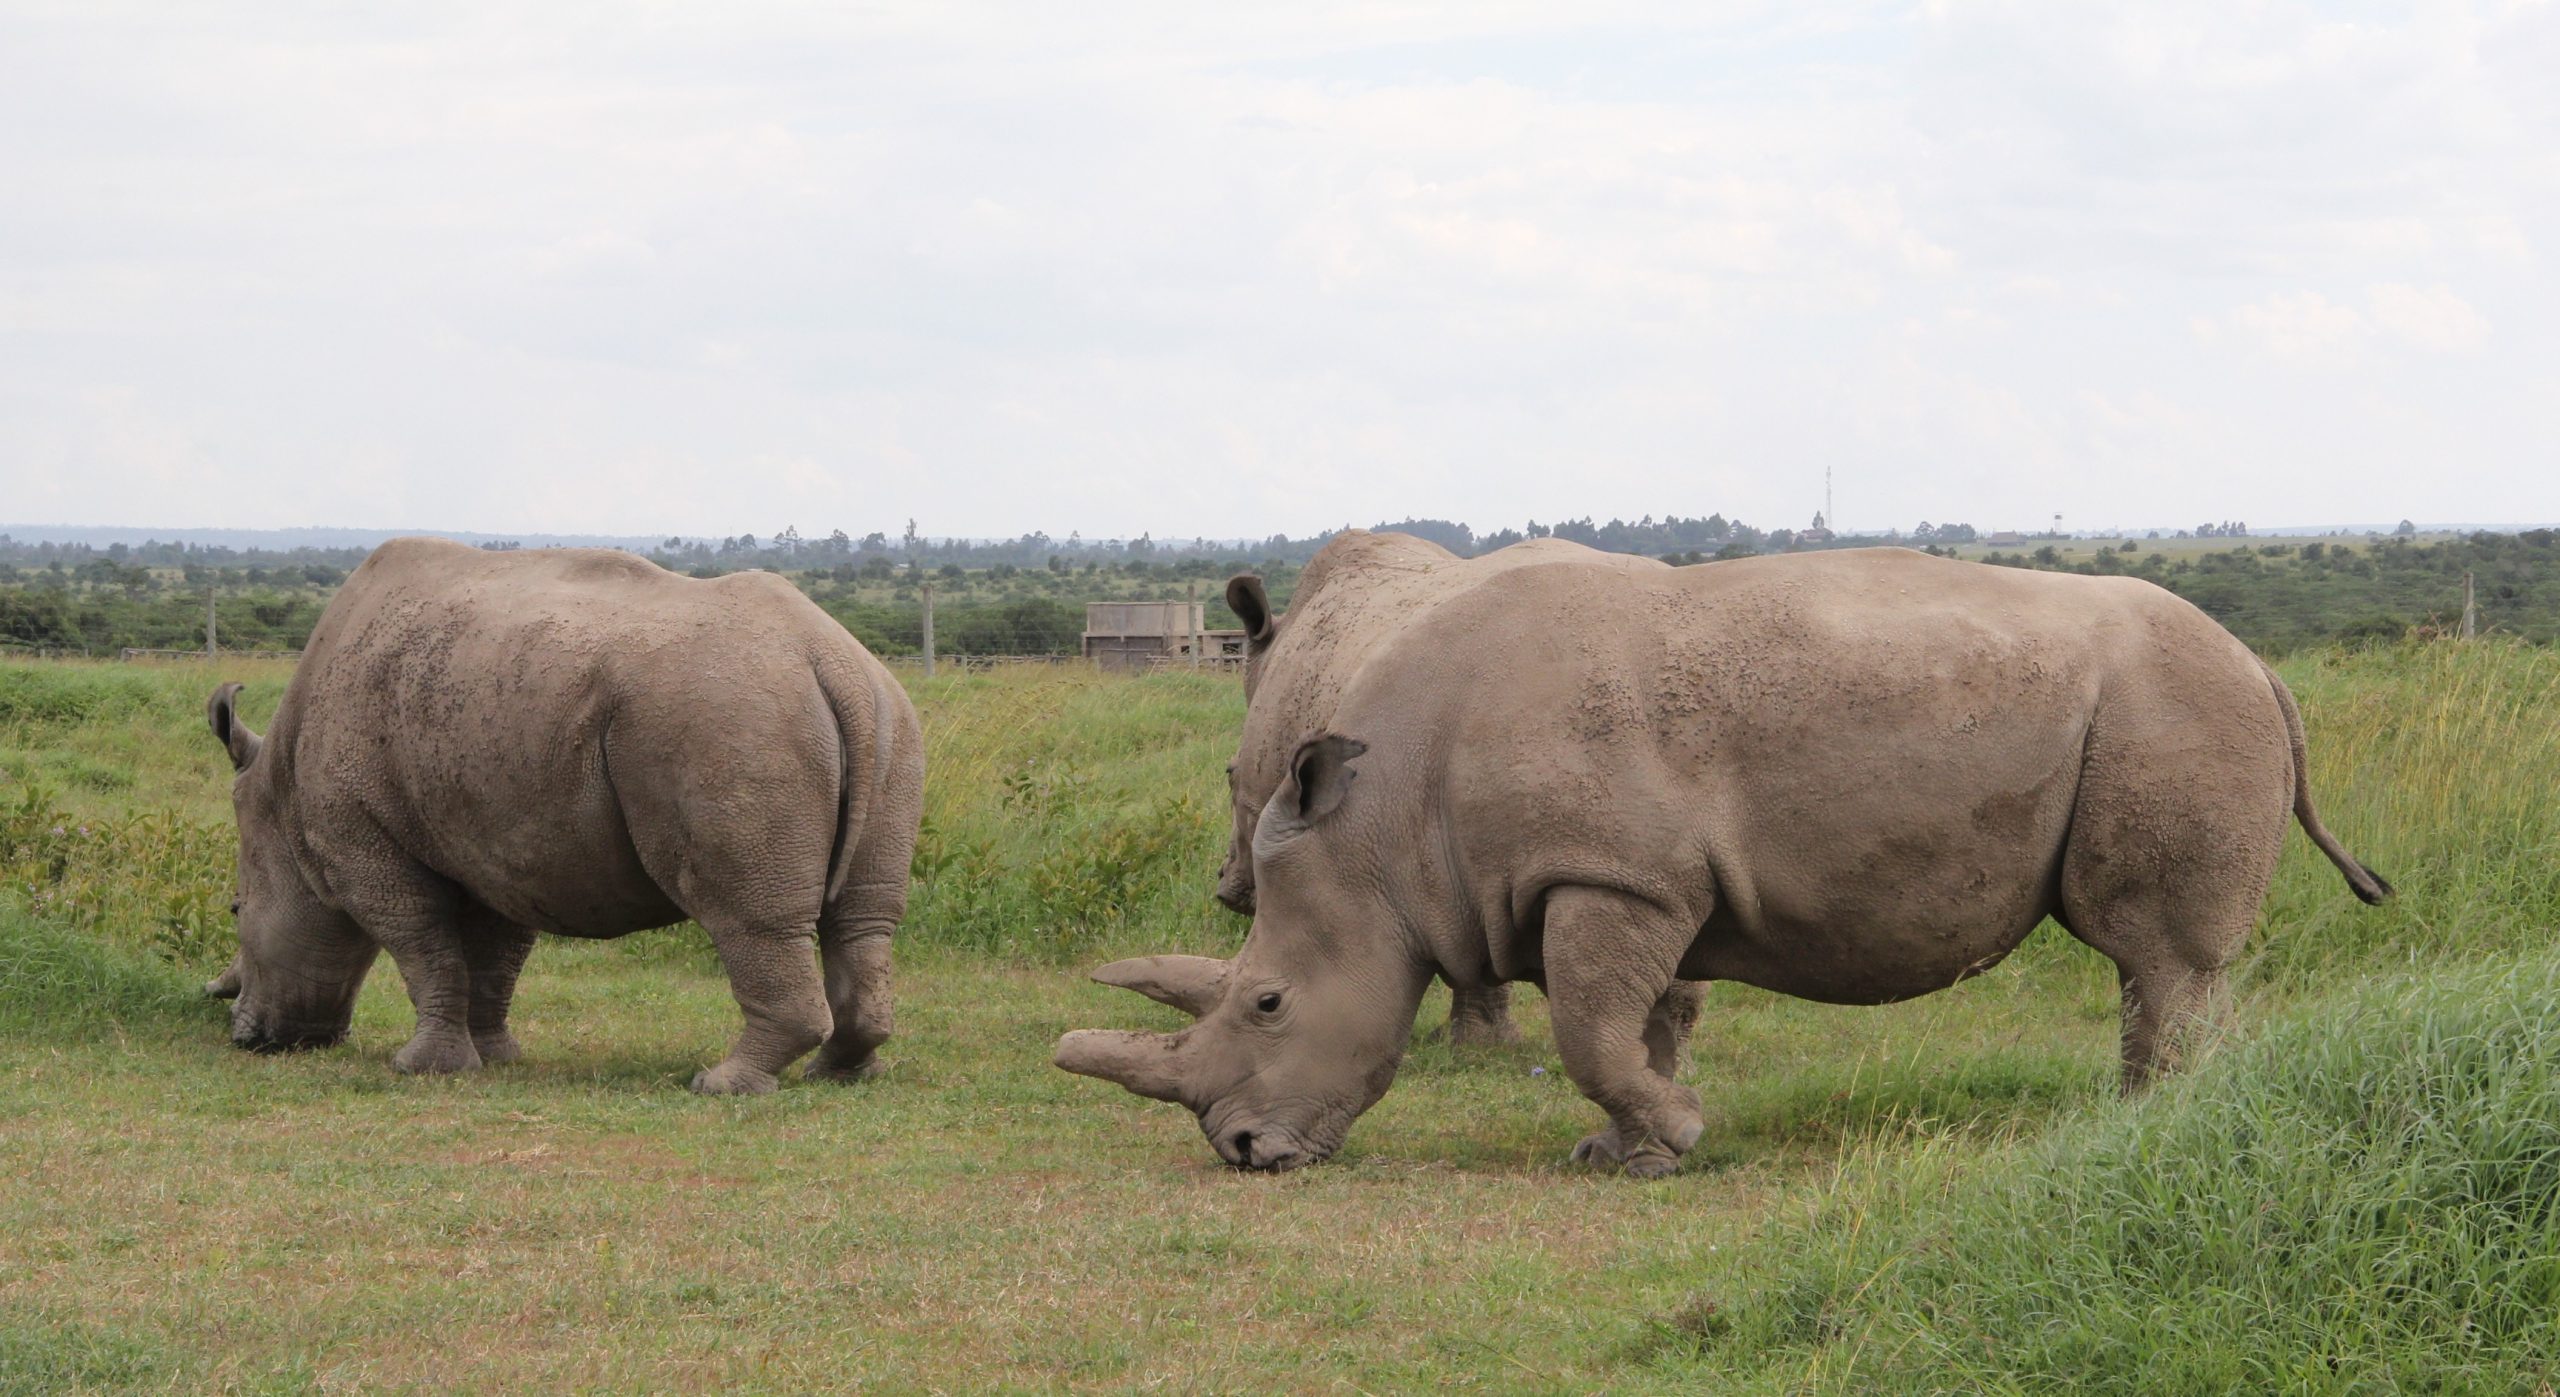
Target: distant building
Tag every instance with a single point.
(1132, 635)
(2006, 538)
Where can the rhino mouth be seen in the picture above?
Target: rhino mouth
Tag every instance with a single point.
(1264, 1148)
(252, 1036)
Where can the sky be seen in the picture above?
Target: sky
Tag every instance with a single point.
(1234, 270)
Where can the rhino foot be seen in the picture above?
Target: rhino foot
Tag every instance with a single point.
(1652, 1160)
(734, 1079)
(868, 1067)
(1653, 1165)
(425, 1056)
(1484, 1033)
(496, 1048)
(1601, 1148)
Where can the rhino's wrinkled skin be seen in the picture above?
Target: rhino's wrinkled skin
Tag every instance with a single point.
(1352, 599)
(479, 746)
(1853, 776)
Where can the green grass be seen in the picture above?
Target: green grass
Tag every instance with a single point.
(1937, 1196)
(2365, 1197)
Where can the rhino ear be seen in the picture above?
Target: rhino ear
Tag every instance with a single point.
(1320, 776)
(222, 711)
(1252, 606)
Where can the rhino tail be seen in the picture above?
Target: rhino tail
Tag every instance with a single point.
(866, 741)
(2370, 887)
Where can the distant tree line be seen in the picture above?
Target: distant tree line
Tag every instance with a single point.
(2283, 596)
(1026, 595)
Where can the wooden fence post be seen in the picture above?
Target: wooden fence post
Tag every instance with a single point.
(2470, 610)
(212, 647)
(928, 630)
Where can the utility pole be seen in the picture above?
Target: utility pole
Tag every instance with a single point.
(212, 647)
(1191, 613)
(2470, 610)
(928, 630)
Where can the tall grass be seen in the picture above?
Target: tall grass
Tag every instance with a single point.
(2365, 1197)
(58, 979)
(2440, 766)
(1069, 812)
(1066, 811)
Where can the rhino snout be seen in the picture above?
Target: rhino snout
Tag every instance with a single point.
(1266, 1151)
(251, 1034)
(1235, 889)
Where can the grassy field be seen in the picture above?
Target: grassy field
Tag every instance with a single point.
(1939, 1196)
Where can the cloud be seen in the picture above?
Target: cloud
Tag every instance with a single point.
(1183, 269)
(2302, 327)
(2431, 318)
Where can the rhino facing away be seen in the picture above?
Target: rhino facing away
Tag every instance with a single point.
(1854, 776)
(481, 746)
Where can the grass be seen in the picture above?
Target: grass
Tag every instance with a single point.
(1937, 1196)
(2366, 1197)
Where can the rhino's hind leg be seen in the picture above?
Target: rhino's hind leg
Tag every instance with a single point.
(2167, 865)
(1610, 963)
(853, 944)
(774, 978)
(854, 932)
(495, 951)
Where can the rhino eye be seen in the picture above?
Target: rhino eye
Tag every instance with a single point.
(1269, 1003)
(235, 907)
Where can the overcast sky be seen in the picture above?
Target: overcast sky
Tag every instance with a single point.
(1241, 269)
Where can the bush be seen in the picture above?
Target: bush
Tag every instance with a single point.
(152, 881)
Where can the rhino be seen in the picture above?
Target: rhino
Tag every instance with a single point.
(1350, 601)
(1356, 596)
(480, 746)
(1852, 776)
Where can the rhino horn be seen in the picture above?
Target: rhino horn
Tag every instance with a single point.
(1192, 984)
(1146, 1063)
(227, 984)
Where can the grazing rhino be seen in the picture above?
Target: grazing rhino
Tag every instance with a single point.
(1853, 776)
(1357, 593)
(479, 746)
(1353, 599)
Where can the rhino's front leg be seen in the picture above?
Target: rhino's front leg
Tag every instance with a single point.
(1610, 963)
(774, 977)
(494, 951)
(438, 977)
(1666, 1048)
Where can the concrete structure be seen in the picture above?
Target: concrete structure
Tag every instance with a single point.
(1134, 635)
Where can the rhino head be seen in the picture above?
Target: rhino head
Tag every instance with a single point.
(1304, 1029)
(301, 962)
(1252, 605)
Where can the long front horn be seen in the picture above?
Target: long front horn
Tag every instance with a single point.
(1192, 984)
(1146, 1063)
